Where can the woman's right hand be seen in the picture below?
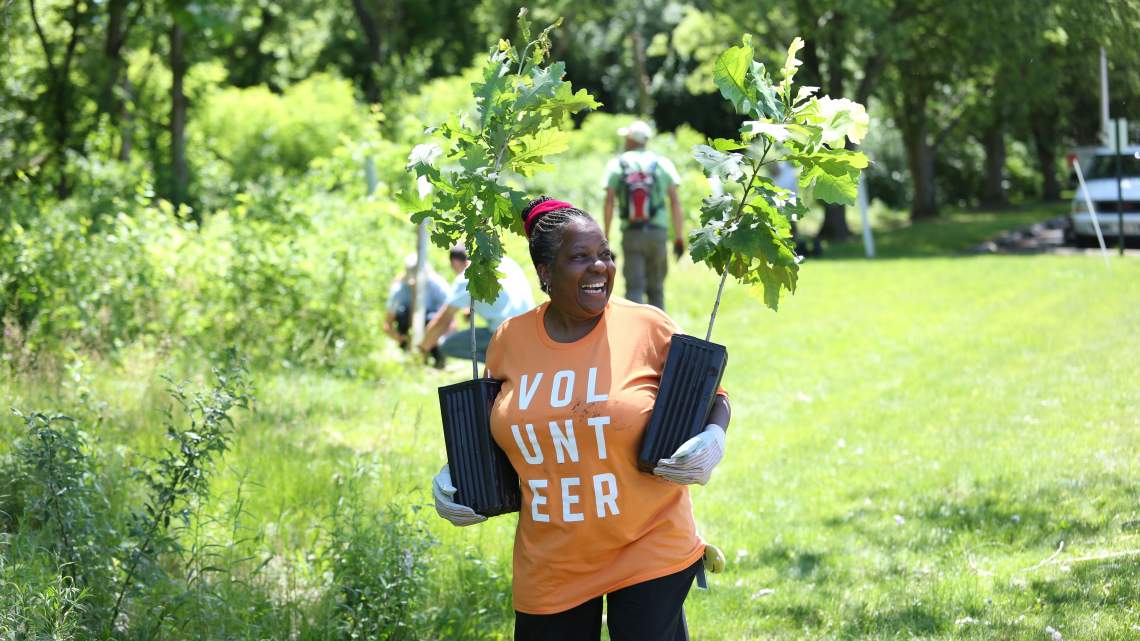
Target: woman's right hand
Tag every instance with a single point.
(443, 491)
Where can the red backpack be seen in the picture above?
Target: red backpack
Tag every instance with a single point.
(636, 191)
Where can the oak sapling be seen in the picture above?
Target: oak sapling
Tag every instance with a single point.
(522, 105)
(746, 228)
(746, 231)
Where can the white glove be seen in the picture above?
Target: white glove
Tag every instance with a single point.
(443, 491)
(694, 461)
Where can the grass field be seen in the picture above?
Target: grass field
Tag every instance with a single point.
(931, 447)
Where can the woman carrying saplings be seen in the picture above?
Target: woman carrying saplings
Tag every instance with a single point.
(580, 375)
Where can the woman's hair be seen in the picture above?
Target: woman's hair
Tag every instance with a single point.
(546, 231)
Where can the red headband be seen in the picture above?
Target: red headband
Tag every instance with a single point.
(540, 209)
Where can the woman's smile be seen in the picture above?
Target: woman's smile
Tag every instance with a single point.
(580, 279)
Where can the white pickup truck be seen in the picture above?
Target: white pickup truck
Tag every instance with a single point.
(1100, 177)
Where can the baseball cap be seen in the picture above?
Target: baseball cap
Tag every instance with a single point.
(410, 262)
(638, 130)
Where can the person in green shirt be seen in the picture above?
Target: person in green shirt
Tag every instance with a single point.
(642, 184)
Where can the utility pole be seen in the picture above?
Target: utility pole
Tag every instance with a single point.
(1120, 124)
(1105, 123)
(419, 304)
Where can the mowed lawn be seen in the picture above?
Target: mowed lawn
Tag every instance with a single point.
(916, 439)
(939, 448)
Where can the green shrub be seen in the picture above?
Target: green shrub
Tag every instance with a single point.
(38, 603)
(473, 591)
(296, 276)
(63, 281)
(259, 134)
(379, 568)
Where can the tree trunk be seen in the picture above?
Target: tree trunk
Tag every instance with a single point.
(834, 225)
(644, 102)
(181, 174)
(59, 91)
(920, 156)
(1045, 143)
(374, 51)
(126, 122)
(835, 216)
(993, 141)
(110, 99)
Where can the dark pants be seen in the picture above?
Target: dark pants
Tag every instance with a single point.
(458, 344)
(404, 326)
(645, 261)
(649, 611)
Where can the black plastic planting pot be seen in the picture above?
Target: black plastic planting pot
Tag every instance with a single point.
(685, 396)
(481, 472)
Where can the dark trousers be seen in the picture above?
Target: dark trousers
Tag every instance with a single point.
(458, 344)
(649, 611)
(404, 326)
(645, 261)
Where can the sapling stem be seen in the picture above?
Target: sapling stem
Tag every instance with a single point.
(471, 305)
(716, 305)
(471, 319)
(736, 218)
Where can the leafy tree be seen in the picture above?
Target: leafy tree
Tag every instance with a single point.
(388, 47)
(838, 56)
(1059, 92)
(121, 18)
(63, 32)
(747, 233)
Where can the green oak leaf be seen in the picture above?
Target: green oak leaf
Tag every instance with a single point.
(803, 138)
(730, 74)
(839, 190)
(718, 163)
(770, 282)
(767, 212)
(703, 243)
(717, 208)
(724, 144)
(544, 84)
(490, 92)
(566, 102)
(767, 103)
(529, 151)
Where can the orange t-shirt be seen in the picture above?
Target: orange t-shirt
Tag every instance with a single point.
(570, 417)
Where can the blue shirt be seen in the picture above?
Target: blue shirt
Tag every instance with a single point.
(400, 295)
(514, 297)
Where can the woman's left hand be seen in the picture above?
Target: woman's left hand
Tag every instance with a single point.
(694, 461)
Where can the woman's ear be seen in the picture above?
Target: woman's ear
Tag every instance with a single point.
(543, 274)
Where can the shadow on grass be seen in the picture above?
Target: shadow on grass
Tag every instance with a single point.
(996, 512)
(903, 622)
(1093, 586)
(791, 563)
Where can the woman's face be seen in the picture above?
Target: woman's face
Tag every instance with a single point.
(581, 277)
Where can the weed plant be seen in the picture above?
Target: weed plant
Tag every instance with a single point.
(98, 542)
